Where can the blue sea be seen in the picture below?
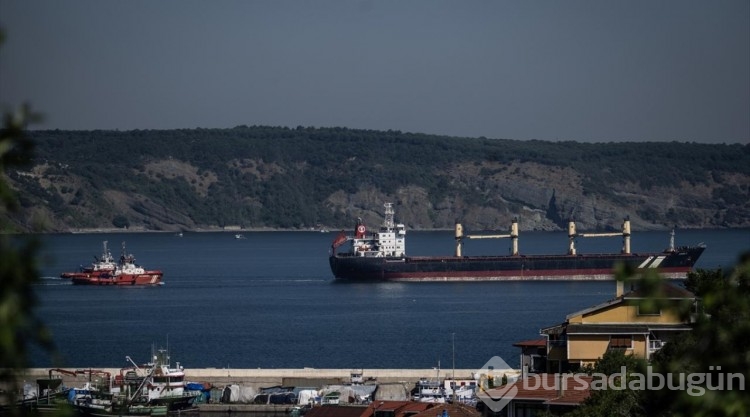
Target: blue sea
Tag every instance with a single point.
(270, 301)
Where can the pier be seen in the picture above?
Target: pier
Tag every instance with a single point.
(389, 384)
(260, 377)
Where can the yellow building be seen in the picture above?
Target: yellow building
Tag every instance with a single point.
(623, 323)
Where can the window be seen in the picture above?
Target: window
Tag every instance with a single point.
(620, 342)
(648, 309)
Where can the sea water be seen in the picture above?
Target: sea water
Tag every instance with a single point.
(270, 301)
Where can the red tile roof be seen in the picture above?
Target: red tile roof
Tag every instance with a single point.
(541, 342)
(454, 410)
(544, 388)
(335, 411)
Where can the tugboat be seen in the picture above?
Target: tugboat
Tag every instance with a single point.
(104, 264)
(126, 272)
(381, 256)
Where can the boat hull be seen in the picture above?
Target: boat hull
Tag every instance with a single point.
(146, 278)
(590, 267)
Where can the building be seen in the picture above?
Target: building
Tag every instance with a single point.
(529, 396)
(395, 409)
(533, 355)
(630, 322)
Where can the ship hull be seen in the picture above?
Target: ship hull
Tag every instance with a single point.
(147, 278)
(592, 267)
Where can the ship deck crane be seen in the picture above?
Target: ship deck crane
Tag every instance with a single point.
(572, 235)
(513, 235)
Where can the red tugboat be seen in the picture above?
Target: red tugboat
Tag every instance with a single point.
(105, 264)
(126, 272)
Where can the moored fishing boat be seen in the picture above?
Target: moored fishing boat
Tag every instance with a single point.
(156, 384)
(382, 256)
(126, 272)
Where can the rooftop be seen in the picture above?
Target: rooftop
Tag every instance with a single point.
(541, 342)
(544, 388)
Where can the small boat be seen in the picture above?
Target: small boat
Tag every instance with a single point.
(239, 236)
(91, 401)
(430, 392)
(104, 264)
(126, 272)
(99, 396)
(48, 395)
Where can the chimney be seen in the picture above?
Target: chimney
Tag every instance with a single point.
(620, 288)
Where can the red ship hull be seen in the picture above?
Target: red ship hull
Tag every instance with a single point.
(146, 278)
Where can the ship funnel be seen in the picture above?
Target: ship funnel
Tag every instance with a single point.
(514, 236)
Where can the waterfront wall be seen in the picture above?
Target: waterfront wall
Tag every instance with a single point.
(289, 377)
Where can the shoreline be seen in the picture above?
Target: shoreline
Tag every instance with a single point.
(100, 230)
(259, 378)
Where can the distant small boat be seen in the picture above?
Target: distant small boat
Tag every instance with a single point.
(178, 234)
(239, 236)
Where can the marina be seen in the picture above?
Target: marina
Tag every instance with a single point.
(271, 391)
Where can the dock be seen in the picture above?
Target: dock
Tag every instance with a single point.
(261, 377)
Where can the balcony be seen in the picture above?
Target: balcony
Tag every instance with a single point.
(655, 345)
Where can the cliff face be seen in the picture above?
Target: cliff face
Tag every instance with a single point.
(257, 183)
(545, 199)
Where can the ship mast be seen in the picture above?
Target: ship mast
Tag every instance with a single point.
(388, 223)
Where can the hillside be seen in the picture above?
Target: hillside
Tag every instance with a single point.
(271, 177)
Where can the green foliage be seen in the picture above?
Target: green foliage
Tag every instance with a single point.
(120, 221)
(19, 327)
(718, 346)
(604, 402)
(613, 360)
(281, 177)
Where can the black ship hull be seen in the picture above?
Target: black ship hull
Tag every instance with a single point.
(589, 267)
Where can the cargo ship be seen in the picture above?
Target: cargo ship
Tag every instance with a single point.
(381, 256)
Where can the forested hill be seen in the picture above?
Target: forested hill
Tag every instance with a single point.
(272, 177)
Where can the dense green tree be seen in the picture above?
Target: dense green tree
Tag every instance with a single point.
(19, 327)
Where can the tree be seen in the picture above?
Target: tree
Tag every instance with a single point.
(608, 401)
(19, 328)
(121, 221)
(717, 348)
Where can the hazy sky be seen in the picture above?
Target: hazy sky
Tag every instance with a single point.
(553, 70)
